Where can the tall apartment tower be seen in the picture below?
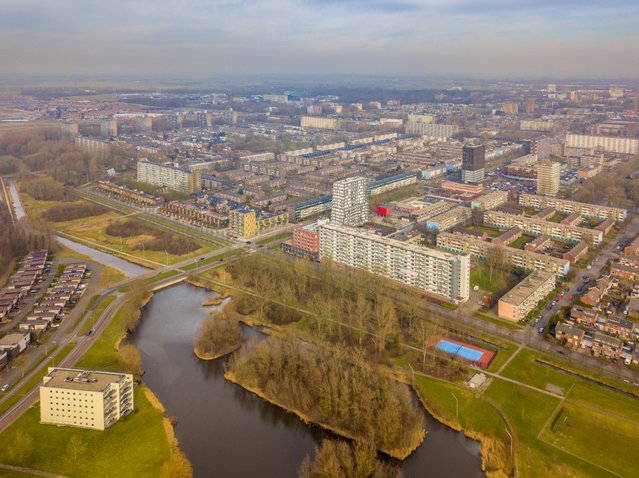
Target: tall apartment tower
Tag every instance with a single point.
(548, 178)
(350, 205)
(473, 163)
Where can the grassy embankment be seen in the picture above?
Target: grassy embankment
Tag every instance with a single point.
(91, 231)
(138, 445)
(583, 434)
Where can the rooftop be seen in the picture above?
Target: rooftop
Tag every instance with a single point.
(83, 380)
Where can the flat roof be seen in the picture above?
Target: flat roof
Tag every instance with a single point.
(527, 287)
(83, 380)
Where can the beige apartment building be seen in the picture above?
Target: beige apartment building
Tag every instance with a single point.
(517, 303)
(490, 200)
(527, 260)
(569, 207)
(548, 178)
(538, 227)
(85, 398)
(320, 122)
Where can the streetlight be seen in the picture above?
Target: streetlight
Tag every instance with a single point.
(456, 407)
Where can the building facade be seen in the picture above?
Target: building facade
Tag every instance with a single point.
(169, 176)
(524, 297)
(548, 175)
(85, 398)
(473, 163)
(350, 203)
(443, 275)
(569, 207)
(538, 227)
(609, 144)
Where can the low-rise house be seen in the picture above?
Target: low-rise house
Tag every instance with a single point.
(572, 335)
(605, 346)
(14, 344)
(584, 316)
(508, 237)
(633, 307)
(576, 252)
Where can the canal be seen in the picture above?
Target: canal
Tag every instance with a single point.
(228, 432)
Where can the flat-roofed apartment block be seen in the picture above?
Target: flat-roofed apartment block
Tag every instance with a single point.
(431, 129)
(169, 176)
(321, 122)
(350, 203)
(569, 207)
(524, 297)
(450, 218)
(548, 176)
(538, 227)
(522, 259)
(490, 201)
(608, 144)
(438, 273)
(85, 398)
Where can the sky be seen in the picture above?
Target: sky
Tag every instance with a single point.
(182, 38)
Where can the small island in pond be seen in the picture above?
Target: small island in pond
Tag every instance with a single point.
(219, 335)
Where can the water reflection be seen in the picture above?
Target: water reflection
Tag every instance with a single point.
(227, 431)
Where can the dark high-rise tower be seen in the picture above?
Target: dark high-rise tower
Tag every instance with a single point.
(473, 163)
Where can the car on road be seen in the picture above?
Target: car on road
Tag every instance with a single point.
(549, 307)
(561, 351)
(541, 330)
(5, 387)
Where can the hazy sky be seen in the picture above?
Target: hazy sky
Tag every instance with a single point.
(385, 37)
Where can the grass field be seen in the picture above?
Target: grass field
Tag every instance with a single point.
(32, 382)
(599, 437)
(133, 447)
(274, 238)
(500, 283)
(519, 243)
(93, 232)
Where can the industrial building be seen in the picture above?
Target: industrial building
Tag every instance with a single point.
(85, 398)
(444, 275)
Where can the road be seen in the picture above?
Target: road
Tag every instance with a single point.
(83, 342)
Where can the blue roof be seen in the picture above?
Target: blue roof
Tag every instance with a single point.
(391, 179)
(348, 147)
(314, 202)
(314, 154)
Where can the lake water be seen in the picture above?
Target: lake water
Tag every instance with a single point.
(226, 431)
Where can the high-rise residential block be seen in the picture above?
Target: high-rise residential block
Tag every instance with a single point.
(350, 203)
(548, 178)
(473, 163)
(441, 274)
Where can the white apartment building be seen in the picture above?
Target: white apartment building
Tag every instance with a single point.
(350, 202)
(85, 398)
(171, 177)
(431, 129)
(608, 144)
(536, 125)
(439, 273)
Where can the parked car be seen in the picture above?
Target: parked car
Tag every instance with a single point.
(5, 387)
(541, 330)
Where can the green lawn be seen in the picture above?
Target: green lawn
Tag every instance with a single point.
(491, 231)
(519, 243)
(528, 411)
(134, 447)
(500, 282)
(32, 382)
(574, 428)
(476, 416)
(274, 238)
(524, 369)
(557, 217)
(96, 313)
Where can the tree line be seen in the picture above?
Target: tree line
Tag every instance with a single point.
(352, 308)
(162, 240)
(342, 393)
